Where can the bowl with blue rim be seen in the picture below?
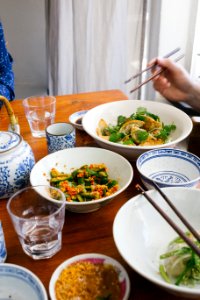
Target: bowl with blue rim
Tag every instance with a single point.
(17, 282)
(169, 167)
(76, 119)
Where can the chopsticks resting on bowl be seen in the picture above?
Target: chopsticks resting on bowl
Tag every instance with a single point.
(179, 231)
(153, 65)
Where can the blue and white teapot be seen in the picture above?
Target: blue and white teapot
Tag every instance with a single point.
(16, 158)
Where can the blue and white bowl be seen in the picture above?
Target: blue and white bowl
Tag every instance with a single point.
(76, 119)
(169, 168)
(17, 282)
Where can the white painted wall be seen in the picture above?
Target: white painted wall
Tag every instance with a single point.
(177, 27)
(24, 27)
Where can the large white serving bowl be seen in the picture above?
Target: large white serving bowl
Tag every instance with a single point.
(17, 282)
(69, 159)
(95, 258)
(110, 111)
(142, 235)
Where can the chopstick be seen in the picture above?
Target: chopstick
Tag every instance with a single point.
(156, 74)
(169, 220)
(177, 212)
(153, 65)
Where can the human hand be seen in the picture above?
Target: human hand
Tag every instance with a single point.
(174, 83)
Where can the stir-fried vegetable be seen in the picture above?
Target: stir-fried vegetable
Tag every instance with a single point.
(181, 264)
(90, 182)
(140, 129)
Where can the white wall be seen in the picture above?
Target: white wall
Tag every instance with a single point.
(177, 27)
(24, 27)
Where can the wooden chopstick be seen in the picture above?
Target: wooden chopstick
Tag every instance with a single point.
(156, 74)
(181, 233)
(153, 65)
(177, 212)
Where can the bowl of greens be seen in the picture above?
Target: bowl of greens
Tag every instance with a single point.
(89, 177)
(151, 246)
(131, 127)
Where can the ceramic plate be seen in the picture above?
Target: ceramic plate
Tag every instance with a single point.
(76, 119)
(94, 258)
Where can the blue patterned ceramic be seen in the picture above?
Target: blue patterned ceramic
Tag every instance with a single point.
(17, 282)
(60, 136)
(76, 119)
(3, 252)
(169, 167)
(16, 163)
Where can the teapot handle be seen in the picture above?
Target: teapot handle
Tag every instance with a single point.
(14, 125)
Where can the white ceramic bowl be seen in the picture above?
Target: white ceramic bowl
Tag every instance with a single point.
(169, 168)
(142, 235)
(66, 160)
(17, 282)
(76, 119)
(94, 258)
(110, 111)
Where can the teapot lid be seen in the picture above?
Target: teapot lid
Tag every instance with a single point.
(9, 140)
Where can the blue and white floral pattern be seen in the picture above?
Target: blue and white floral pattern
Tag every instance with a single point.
(56, 143)
(3, 252)
(15, 167)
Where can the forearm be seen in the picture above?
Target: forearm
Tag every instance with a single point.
(194, 96)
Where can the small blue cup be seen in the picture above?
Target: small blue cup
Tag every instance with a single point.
(60, 136)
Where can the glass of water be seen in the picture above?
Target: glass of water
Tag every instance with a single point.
(40, 112)
(38, 215)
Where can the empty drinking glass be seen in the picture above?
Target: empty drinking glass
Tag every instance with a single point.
(38, 219)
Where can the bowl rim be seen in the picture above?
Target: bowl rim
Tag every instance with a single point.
(88, 203)
(85, 256)
(117, 145)
(134, 202)
(172, 150)
(34, 276)
(76, 115)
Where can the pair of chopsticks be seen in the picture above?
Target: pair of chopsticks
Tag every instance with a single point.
(161, 70)
(170, 221)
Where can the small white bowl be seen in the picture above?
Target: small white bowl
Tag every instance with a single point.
(110, 111)
(94, 258)
(76, 119)
(169, 168)
(68, 159)
(142, 235)
(17, 282)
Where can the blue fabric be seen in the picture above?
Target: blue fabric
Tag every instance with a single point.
(6, 72)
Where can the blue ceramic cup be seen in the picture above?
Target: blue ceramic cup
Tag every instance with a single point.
(60, 136)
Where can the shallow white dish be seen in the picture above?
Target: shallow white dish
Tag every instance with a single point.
(68, 159)
(168, 168)
(110, 111)
(142, 235)
(18, 283)
(76, 119)
(94, 258)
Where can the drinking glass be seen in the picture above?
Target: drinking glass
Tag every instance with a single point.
(38, 219)
(40, 112)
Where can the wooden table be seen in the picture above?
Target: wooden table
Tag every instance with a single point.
(82, 233)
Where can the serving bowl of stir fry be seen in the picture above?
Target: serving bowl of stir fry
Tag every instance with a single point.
(152, 248)
(89, 177)
(131, 127)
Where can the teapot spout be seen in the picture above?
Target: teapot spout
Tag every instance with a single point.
(14, 125)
